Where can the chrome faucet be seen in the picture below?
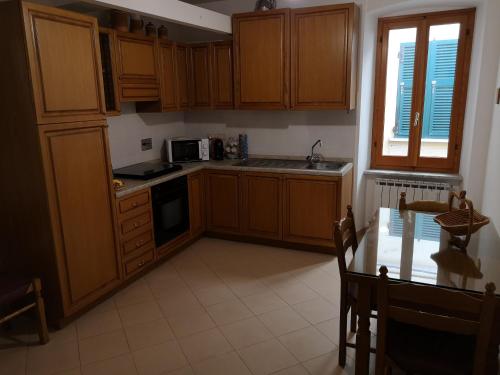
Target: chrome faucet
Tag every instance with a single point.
(315, 158)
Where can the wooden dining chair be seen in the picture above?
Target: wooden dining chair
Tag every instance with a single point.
(431, 330)
(345, 239)
(423, 206)
(18, 295)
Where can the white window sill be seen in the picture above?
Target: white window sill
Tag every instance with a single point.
(451, 178)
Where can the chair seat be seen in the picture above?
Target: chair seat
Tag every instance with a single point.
(421, 351)
(13, 287)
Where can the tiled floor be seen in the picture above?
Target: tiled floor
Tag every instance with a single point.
(217, 308)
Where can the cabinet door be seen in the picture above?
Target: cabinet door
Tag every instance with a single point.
(107, 42)
(200, 87)
(196, 204)
(182, 56)
(322, 39)
(262, 205)
(63, 51)
(168, 77)
(261, 59)
(223, 197)
(310, 210)
(78, 177)
(137, 67)
(223, 74)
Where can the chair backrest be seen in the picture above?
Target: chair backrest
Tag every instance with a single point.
(436, 309)
(345, 237)
(423, 206)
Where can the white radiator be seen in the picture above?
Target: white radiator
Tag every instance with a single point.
(387, 191)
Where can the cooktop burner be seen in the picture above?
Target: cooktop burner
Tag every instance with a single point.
(146, 171)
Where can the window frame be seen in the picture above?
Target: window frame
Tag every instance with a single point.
(422, 22)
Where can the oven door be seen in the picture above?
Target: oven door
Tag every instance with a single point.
(185, 150)
(170, 210)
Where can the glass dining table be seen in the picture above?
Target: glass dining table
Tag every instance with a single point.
(415, 249)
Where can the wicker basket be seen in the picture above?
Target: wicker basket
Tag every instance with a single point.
(463, 221)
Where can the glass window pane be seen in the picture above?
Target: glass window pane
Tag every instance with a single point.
(398, 91)
(439, 86)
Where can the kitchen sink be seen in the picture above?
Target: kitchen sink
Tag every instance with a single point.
(291, 164)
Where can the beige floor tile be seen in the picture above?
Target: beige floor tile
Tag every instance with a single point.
(122, 365)
(229, 312)
(52, 357)
(183, 371)
(295, 293)
(140, 313)
(267, 357)
(147, 334)
(214, 294)
(179, 303)
(104, 306)
(328, 364)
(246, 287)
(204, 345)
(75, 371)
(68, 333)
(246, 332)
(137, 292)
(264, 302)
(105, 346)
(96, 323)
(162, 287)
(307, 343)
(229, 363)
(295, 370)
(160, 359)
(317, 310)
(283, 321)
(191, 322)
(13, 361)
(330, 328)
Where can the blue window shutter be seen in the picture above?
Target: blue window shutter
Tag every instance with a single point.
(439, 88)
(395, 224)
(405, 89)
(426, 228)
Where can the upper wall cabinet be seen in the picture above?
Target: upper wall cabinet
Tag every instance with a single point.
(138, 76)
(261, 59)
(222, 68)
(201, 81)
(182, 60)
(107, 41)
(323, 58)
(168, 74)
(63, 50)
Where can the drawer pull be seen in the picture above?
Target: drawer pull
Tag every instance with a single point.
(141, 263)
(136, 225)
(139, 244)
(134, 204)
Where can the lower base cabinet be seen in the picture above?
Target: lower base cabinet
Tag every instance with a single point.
(196, 204)
(261, 205)
(294, 209)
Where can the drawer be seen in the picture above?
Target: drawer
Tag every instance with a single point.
(140, 262)
(135, 223)
(137, 242)
(138, 200)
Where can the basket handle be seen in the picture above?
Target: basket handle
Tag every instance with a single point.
(464, 204)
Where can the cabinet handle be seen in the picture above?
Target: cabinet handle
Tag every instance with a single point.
(141, 263)
(136, 225)
(416, 122)
(134, 204)
(138, 244)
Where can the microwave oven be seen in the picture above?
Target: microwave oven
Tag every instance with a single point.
(187, 149)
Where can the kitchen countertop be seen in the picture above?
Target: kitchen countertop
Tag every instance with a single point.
(132, 186)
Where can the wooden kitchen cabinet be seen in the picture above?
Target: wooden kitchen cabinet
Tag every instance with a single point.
(323, 57)
(261, 59)
(78, 178)
(222, 201)
(168, 75)
(138, 67)
(261, 205)
(222, 67)
(311, 207)
(64, 63)
(196, 204)
(107, 43)
(200, 76)
(182, 57)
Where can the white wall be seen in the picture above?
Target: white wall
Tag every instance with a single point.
(127, 130)
(491, 201)
(281, 132)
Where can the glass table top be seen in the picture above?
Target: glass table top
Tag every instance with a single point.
(414, 248)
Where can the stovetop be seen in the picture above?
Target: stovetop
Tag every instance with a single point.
(147, 170)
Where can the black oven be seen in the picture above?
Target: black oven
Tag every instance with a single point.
(170, 210)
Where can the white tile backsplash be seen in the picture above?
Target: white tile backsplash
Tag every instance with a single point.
(127, 130)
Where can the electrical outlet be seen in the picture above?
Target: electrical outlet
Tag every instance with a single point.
(146, 144)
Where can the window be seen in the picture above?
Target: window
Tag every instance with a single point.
(420, 90)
